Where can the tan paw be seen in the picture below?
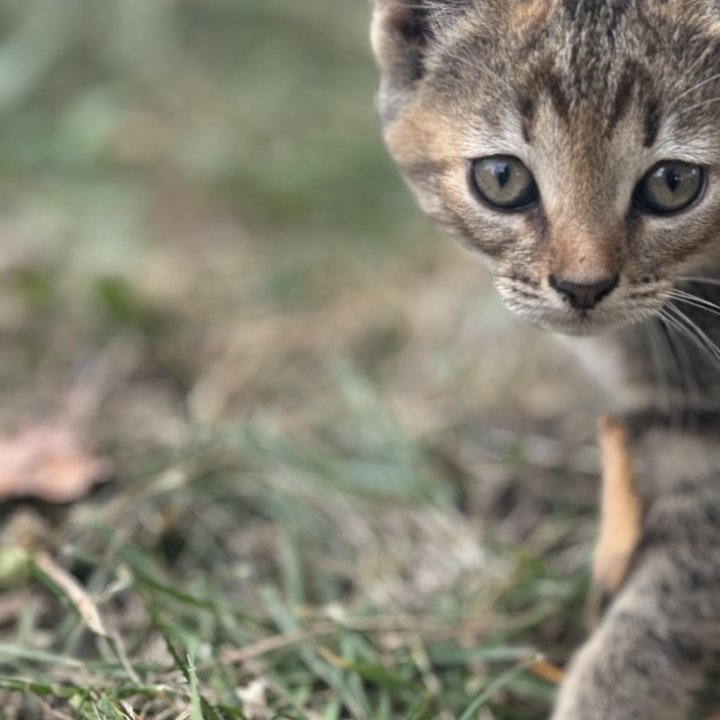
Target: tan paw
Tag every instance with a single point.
(620, 520)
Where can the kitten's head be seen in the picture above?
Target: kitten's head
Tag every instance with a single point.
(574, 145)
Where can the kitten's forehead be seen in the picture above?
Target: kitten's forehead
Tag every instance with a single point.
(604, 59)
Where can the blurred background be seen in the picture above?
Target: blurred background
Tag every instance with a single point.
(286, 446)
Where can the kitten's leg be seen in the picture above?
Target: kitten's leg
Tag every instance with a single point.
(647, 657)
(620, 521)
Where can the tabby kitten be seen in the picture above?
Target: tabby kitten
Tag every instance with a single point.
(574, 147)
(647, 657)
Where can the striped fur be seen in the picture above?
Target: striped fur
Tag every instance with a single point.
(645, 660)
(590, 94)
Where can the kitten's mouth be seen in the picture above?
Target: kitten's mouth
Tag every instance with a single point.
(560, 317)
(586, 323)
(582, 323)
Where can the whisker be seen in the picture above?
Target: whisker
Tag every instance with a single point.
(695, 87)
(688, 372)
(691, 296)
(687, 376)
(691, 71)
(702, 280)
(701, 104)
(693, 301)
(664, 395)
(695, 331)
(681, 329)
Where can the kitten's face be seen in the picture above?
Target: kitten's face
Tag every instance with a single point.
(574, 145)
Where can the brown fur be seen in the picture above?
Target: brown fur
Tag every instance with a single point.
(577, 89)
(646, 658)
(590, 95)
(526, 18)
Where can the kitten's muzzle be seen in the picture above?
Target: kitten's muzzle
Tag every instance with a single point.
(583, 296)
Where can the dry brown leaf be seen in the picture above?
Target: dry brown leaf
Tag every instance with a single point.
(49, 463)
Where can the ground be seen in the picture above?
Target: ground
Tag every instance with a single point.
(340, 480)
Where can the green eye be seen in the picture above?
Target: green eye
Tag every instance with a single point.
(504, 182)
(669, 187)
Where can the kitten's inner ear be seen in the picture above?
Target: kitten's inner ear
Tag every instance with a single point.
(402, 30)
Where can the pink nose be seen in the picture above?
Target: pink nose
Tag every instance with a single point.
(583, 296)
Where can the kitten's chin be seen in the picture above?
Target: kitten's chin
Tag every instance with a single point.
(576, 324)
(556, 316)
(584, 329)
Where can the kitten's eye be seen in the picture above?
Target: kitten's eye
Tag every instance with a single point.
(669, 187)
(504, 182)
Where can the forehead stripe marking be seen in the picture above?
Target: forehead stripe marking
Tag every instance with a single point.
(527, 113)
(546, 78)
(624, 94)
(652, 122)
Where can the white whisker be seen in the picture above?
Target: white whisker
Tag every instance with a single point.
(693, 301)
(701, 280)
(695, 87)
(659, 366)
(702, 103)
(695, 331)
(687, 370)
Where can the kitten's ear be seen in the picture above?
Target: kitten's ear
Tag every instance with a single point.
(402, 32)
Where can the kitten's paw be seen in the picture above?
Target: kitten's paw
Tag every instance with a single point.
(621, 518)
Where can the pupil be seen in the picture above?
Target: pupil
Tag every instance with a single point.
(673, 180)
(502, 174)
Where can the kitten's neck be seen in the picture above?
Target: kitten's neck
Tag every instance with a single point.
(669, 364)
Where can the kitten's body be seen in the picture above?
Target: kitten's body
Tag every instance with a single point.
(590, 97)
(647, 656)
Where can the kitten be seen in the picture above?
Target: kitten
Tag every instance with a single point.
(574, 147)
(647, 657)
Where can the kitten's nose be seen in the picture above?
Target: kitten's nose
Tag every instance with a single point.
(584, 296)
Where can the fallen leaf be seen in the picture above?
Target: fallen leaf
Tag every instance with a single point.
(48, 462)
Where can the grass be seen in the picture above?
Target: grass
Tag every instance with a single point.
(347, 484)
